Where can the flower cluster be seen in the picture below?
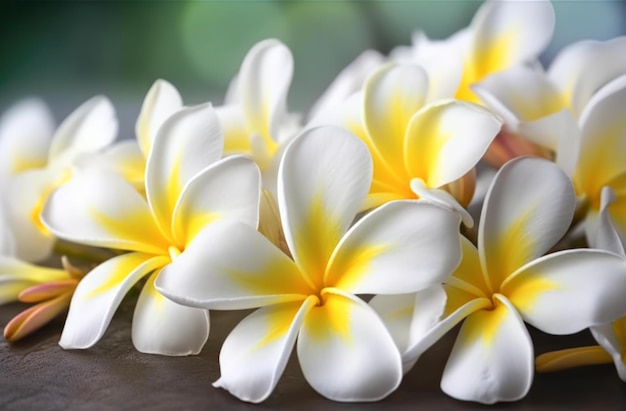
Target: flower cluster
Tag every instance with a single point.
(352, 229)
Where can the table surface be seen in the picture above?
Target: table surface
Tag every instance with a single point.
(36, 374)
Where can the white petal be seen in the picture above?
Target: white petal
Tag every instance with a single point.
(254, 355)
(98, 295)
(161, 326)
(528, 208)
(582, 68)
(7, 240)
(443, 62)
(446, 139)
(91, 127)
(102, 209)
(25, 195)
(440, 198)
(396, 312)
(160, 103)
(347, 82)
(401, 247)
(603, 146)
(511, 32)
(323, 180)
(235, 128)
(606, 236)
(492, 359)
(609, 340)
(520, 94)
(230, 265)
(409, 317)
(345, 351)
(229, 188)
(188, 141)
(391, 96)
(429, 307)
(123, 157)
(263, 81)
(25, 132)
(568, 291)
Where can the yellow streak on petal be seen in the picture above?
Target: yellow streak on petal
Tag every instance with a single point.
(197, 223)
(571, 358)
(279, 320)
(135, 226)
(470, 270)
(487, 58)
(331, 319)
(21, 164)
(151, 292)
(426, 135)
(35, 214)
(274, 277)
(456, 298)
(525, 293)
(316, 237)
(384, 177)
(348, 270)
(237, 140)
(119, 273)
(484, 325)
(509, 250)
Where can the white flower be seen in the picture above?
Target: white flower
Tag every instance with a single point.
(187, 188)
(505, 282)
(35, 161)
(255, 119)
(343, 348)
(419, 145)
(611, 337)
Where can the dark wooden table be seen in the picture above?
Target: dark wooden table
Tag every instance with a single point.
(36, 374)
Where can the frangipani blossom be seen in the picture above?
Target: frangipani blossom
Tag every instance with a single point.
(255, 120)
(502, 34)
(187, 188)
(540, 108)
(505, 282)
(35, 161)
(610, 337)
(419, 146)
(343, 348)
(128, 157)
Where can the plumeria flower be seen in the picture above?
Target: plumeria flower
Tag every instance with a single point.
(540, 108)
(588, 146)
(502, 34)
(343, 348)
(52, 296)
(419, 146)
(35, 161)
(256, 121)
(128, 157)
(187, 188)
(610, 337)
(597, 159)
(505, 282)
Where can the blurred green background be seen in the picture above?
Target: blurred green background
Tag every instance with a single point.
(68, 51)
